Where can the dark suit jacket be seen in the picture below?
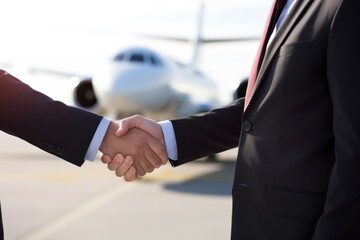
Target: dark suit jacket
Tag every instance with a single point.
(50, 125)
(297, 173)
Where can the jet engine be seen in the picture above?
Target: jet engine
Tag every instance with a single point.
(84, 95)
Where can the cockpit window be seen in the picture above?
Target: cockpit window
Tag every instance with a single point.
(137, 58)
(154, 60)
(120, 57)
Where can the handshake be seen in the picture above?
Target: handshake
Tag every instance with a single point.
(133, 147)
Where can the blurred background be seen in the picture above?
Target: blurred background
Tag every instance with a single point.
(75, 35)
(44, 197)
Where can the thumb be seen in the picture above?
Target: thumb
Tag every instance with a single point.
(145, 124)
(125, 125)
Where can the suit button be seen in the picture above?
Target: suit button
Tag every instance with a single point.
(247, 126)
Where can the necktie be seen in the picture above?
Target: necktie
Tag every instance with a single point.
(270, 23)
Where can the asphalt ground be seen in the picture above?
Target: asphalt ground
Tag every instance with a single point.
(44, 197)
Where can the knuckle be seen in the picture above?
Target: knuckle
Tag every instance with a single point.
(140, 143)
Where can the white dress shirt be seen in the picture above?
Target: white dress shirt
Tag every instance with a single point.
(97, 139)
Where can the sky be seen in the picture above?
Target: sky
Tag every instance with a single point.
(74, 35)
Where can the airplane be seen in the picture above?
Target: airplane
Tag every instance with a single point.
(140, 80)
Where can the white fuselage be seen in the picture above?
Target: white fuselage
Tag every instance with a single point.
(140, 81)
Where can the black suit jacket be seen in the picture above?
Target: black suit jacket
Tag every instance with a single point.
(50, 125)
(297, 173)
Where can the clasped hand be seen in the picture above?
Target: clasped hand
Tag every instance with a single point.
(133, 147)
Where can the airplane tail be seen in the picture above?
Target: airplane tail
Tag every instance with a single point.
(197, 39)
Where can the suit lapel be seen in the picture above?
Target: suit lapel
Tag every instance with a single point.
(289, 23)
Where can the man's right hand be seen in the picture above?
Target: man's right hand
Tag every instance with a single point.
(147, 152)
(142, 127)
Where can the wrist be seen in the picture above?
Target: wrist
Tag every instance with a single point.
(105, 146)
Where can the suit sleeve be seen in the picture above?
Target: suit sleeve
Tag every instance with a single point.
(208, 133)
(52, 126)
(342, 208)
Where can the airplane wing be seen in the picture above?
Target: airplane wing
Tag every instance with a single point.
(74, 89)
(202, 40)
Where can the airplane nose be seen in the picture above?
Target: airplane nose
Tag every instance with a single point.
(132, 79)
(127, 87)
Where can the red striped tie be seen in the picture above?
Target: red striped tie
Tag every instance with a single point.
(260, 52)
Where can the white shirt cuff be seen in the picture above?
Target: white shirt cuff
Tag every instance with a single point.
(170, 140)
(97, 139)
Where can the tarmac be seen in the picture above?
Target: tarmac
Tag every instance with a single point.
(44, 197)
